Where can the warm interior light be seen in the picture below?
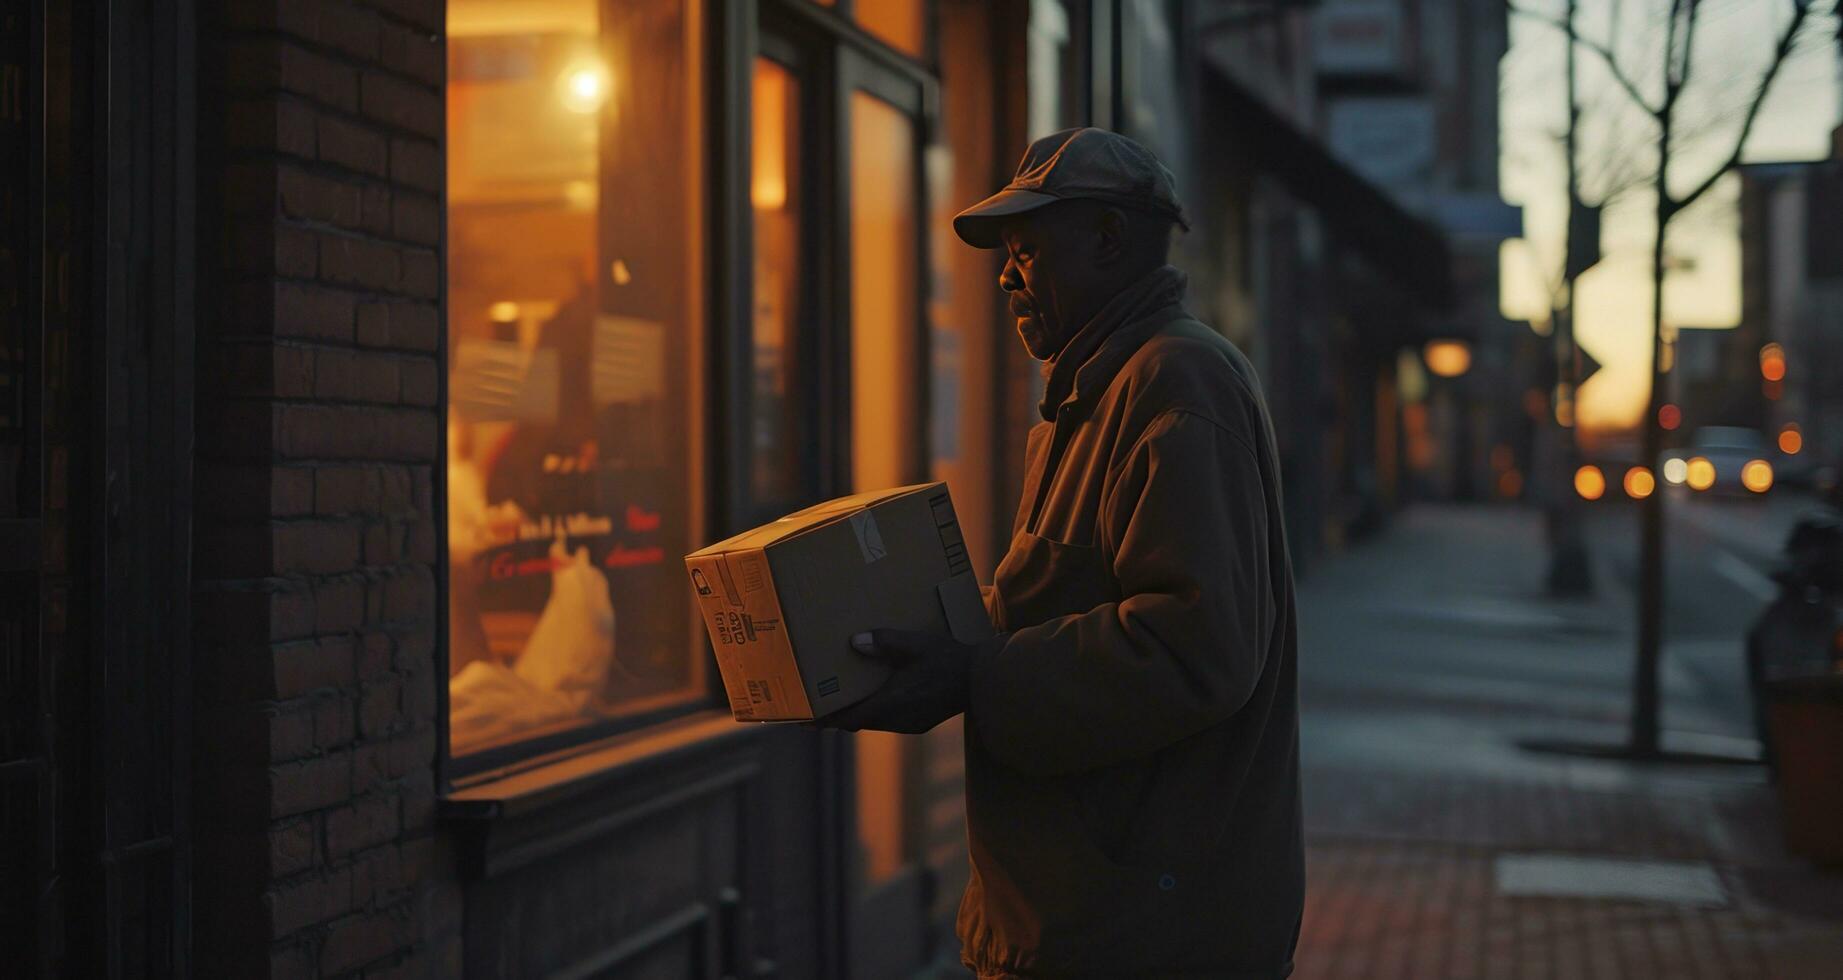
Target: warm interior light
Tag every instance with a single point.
(1699, 474)
(1447, 358)
(1790, 439)
(1639, 483)
(504, 311)
(1772, 362)
(1669, 417)
(1757, 475)
(768, 184)
(585, 87)
(1675, 471)
(1589, 482)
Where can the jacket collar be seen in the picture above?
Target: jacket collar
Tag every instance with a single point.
(1087, 364)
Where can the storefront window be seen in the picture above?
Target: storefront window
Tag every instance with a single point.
(573, 178)
(776, 446)
(903, 23)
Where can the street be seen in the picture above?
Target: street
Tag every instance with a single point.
(1442, 843)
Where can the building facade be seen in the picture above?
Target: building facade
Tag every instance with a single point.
(370, 364)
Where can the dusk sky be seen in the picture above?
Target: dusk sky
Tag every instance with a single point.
(1733, 46)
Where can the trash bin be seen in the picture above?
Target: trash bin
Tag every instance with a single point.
(1805, 717)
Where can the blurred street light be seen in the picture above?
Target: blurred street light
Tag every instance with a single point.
(1757, 475)
(1699, 473)
(1589, 482)
(1448, 358)
(1669, 416)
(1790, 439)
(1675, 471)
(1639, 483)
(1772, 362)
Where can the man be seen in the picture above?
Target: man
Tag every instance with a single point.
(1132, 786)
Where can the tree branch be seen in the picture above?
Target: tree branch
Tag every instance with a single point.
(1605, 53)
(1786, 40)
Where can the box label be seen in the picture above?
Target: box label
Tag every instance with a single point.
(735, 594)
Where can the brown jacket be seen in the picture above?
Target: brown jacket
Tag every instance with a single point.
(1132, 748)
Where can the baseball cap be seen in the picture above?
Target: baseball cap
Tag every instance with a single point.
(1087, 163)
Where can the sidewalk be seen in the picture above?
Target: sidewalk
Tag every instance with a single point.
(1439, 847)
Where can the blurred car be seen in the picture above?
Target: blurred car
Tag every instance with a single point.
(1725, 460)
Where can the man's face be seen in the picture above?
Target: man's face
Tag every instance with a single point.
(1047, 266)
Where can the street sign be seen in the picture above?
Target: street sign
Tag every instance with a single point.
(1584, 365)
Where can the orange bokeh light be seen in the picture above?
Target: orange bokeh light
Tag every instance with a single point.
(1791, 440)
(1669, 417)
(1700, 474)
(1639, 483)
(1772, 362)
(1757, 475)
(1590, 483)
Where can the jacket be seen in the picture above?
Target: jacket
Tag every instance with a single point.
(1132, 744)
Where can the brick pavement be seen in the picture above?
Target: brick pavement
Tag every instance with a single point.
(1417, 781)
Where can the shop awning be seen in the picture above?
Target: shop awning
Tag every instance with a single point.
(1393, 241)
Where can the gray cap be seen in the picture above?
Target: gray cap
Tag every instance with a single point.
(1092, 164)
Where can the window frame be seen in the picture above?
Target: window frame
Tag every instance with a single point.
(495, 762)
(833, 55)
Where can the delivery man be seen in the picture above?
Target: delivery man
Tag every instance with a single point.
(1132, 733)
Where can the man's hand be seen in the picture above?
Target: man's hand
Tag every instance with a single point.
(929, 684)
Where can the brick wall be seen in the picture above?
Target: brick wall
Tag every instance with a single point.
(319, 432)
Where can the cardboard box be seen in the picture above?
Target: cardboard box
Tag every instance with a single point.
(783, 601)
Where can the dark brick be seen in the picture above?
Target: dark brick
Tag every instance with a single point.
(378, 764)
(290, 733)
(375, 654)
(357, 432)
(419, 698)
(418, 164)
(369, 821)
(417, 219)
(420, 384)
(380, 706)
(415, 651)
(377, 874)
(306, 666)
(315, 77)
(291, 847)
(296, 251)
(313, 784)
(419, 800)
(313, 197)
(287, 961)
(316, 547)
(355, 261)
(348, 29)
(420, 545)
(421, 274)
(333, 721)
(412, 52)
(360, 939)
(338, 606)
(346, 490)
(375, 216)
(410, 595)
(357, 376)
(402, 105)
(307, 902)
(348, 144)
(424, 14)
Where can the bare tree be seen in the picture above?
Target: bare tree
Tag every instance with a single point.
(1675, 132)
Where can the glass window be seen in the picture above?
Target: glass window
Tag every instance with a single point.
(573, 279)
(903, 23)
(776, 446)
(885, 427)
